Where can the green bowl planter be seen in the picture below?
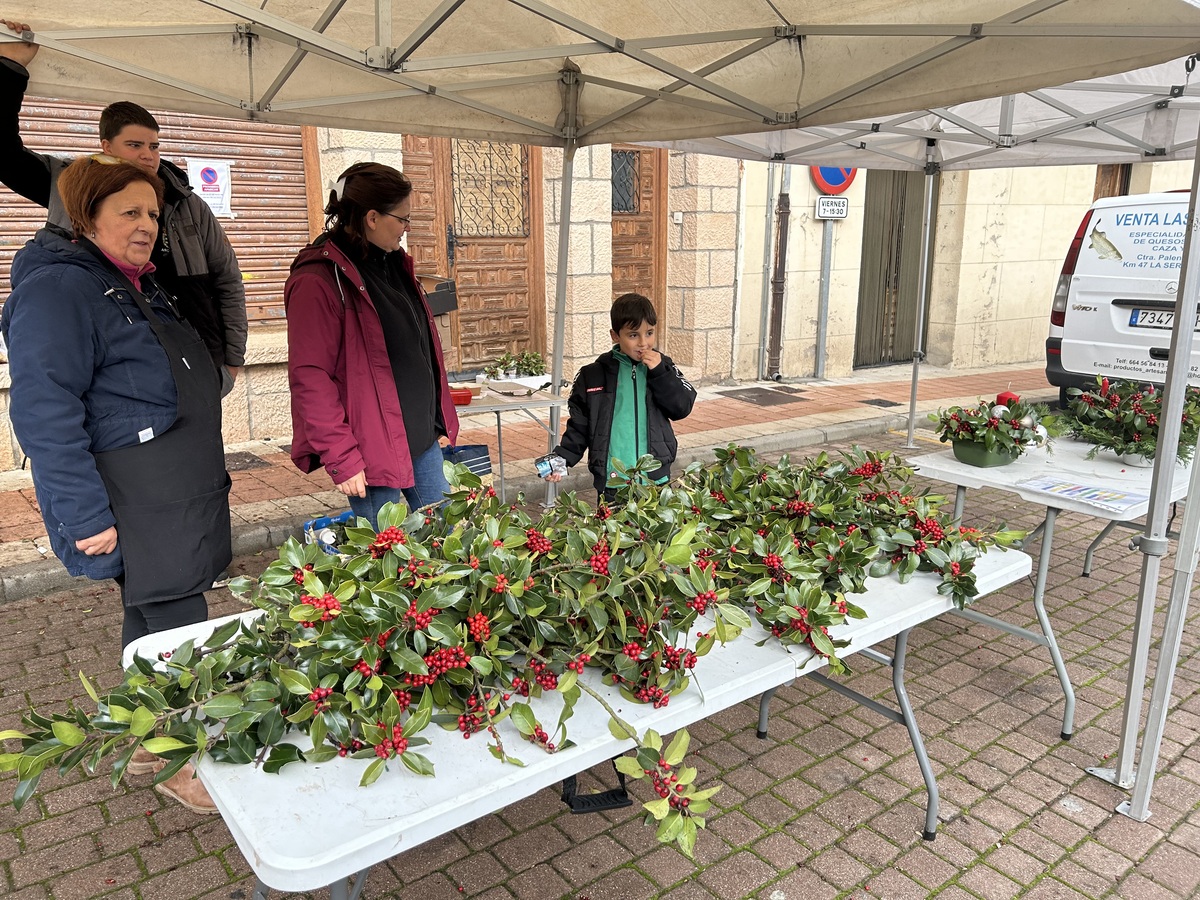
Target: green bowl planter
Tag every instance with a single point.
(974, 453)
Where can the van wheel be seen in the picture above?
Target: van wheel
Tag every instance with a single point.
(1063, 400)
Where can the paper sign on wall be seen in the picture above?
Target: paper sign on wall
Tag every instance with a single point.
(210, 179)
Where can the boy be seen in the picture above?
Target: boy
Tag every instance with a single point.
(622, 405)
(194, 259)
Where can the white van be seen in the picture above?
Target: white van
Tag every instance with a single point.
(1115, 301)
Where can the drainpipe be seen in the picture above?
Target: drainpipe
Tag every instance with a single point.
(765, 302)
(779, 280)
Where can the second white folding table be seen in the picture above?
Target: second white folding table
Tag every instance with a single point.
(1060, 478)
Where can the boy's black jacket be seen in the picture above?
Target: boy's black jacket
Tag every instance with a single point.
(668, 397)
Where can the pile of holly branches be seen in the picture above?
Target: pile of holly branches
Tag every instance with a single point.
(462, 616)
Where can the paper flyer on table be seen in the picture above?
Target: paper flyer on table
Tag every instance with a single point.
(1117, 501)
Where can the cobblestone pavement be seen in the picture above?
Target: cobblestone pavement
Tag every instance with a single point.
(831, 805)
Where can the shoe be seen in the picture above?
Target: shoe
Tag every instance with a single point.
(144, 763)
(187, 790)
(222, 581)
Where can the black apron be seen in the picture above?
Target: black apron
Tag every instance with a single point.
(170, 494)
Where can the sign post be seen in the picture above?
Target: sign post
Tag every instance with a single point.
(831, 181)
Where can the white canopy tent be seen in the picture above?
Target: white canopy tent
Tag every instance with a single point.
(566, 74)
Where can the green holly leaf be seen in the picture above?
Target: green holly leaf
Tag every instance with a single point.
(69, 734)
(142, 722)
(677, 749)
(295, 682)
(223, 706)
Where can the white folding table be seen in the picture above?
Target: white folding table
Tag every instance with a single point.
(526, 405)
(1059, 478)
(311, 825)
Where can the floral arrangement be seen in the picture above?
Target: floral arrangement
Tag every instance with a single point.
(1009, 426)
(1123, 416)
(462, 618)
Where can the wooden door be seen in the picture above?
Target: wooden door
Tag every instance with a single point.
(890, 269)
(477, 218)
(639, 240)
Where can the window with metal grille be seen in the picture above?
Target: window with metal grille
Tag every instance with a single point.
(490, 186)
(626, 181)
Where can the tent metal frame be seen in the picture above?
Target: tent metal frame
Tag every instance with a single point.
(695, 89)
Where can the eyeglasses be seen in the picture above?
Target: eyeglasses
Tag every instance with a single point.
(106, 160)
(407, 220)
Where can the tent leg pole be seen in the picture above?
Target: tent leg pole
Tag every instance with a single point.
(1138, 805)
(931, 170)
(1153, 543)
(560, 295)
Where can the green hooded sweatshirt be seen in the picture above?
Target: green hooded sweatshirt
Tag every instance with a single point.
(630, 439)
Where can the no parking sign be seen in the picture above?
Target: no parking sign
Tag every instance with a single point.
(832, 179)
(210, 180)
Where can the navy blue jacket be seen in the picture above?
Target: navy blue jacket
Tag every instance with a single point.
(88, 375)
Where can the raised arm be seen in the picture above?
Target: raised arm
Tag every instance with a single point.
(22, 170)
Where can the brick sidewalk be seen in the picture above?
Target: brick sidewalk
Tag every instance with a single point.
(831, 805)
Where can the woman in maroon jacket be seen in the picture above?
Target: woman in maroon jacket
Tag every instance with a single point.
(370, 400)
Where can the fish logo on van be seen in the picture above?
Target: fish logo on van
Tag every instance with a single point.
(1105, 249)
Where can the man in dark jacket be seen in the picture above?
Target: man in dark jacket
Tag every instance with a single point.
(194, 259)
(622, 405)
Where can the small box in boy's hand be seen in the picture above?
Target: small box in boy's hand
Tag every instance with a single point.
(550, 464)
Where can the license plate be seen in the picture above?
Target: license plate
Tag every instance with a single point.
(1156, 318)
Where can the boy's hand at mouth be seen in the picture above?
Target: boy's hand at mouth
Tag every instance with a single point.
(651, 358)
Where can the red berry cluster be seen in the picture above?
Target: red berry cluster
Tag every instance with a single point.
(799, 508)
(955, 569)
(930, 529)
(319, 696)
(868, 469)
(544, 676)
(666, 784)
(404, 698)
(772, 561)
(385, 540)
(705, 559)
(675, 658)
(299, 574)
(577, 664)
(365, 669)
(599, 558)
(393, 746)
(479, 627)
(539, 736)
(382, 640)
(329, 605)
(419, 620)
(653, 694)
(440, 661)
(603, 512)
(354, 746)
(501, 583)
(719, 496)
(413, 567)
(700, 602)
(633, 649)
(536, 542)
(521, 686)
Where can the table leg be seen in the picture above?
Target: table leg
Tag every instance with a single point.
(764, 703)
(1046, 638)
(1091, 550)
(914, 734)
(906, 716)
(261, 891)
(960, 499)
(500, 454)
(344, 890)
